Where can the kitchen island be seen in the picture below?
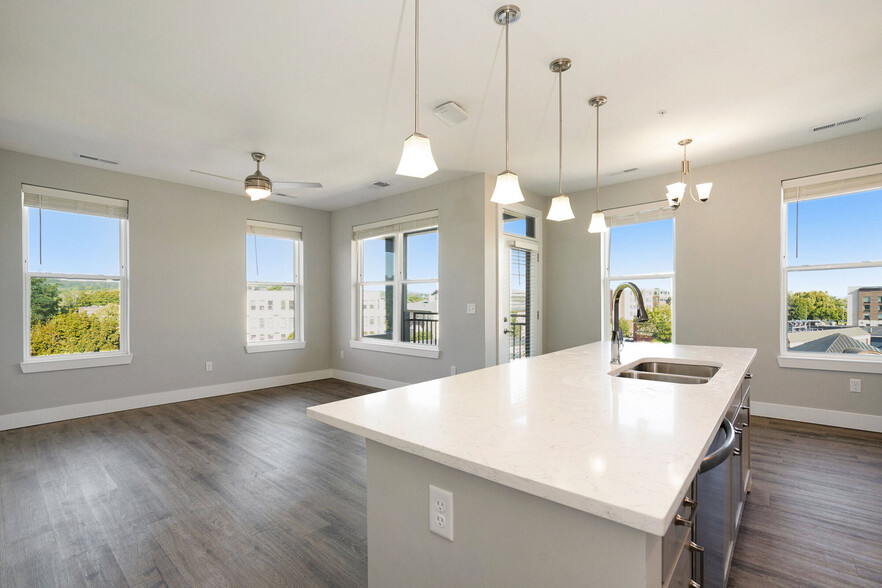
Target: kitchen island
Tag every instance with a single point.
(561, 472)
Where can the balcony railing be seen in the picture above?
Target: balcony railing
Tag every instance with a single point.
(420, 327)
(518, 335)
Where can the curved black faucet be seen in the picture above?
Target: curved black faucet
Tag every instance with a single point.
(642, 317)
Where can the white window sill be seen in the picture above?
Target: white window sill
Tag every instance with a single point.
(280, 346)
(73, 362)
(399, 348)
(835, 364)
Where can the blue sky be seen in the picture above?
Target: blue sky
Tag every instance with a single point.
(835, 230)
(644, 248)
(73, 243)
(422, 258)
(272, 260)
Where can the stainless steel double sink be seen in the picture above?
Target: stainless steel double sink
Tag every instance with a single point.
(672, 372)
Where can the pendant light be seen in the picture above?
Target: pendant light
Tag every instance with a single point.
(508, 189)
(416, 157)
(598, 221)
(560, 205)
(678, 190)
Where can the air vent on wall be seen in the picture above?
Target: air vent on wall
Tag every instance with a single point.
(98, 159)
(837, 124)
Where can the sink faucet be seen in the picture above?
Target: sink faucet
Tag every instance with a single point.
(642, 317)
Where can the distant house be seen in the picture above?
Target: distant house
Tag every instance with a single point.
(864, 306)
(800, 337)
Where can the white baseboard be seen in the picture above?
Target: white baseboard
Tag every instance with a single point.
(368, 380)
(818, 416)
(75, 411)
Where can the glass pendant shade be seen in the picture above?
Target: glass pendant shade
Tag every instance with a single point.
(598, 222)
(560, 209)
(508, 189)
(673, 201)
(704, 191)
(416, 157)
(257, 193)
(677, 190)
(258, 186)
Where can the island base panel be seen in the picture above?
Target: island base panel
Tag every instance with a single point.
(502, 536)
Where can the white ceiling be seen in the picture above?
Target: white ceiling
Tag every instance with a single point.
(325, 88)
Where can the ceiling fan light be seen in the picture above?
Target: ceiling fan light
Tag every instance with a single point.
(704, 190)
(598, 222)
(560, 209)
(508, 189)
(416, 157)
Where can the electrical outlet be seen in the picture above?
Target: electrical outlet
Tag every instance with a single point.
(854, 385)
(209, 366)
(441, 512)
(470, 308)
(453, 370)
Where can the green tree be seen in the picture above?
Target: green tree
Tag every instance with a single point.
(659, 324)
(625, 327)
(815, 305)
(45, 300)
(77, 332)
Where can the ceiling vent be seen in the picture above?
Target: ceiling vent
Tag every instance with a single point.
(625, 171)
(451, 113)
(380, 184)
(837, 124)
(98, 159)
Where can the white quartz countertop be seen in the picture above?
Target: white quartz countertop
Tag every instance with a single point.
(560, 427)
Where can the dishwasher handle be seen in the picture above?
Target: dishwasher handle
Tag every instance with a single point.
(714, 459)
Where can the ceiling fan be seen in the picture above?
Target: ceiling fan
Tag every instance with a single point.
(258, 186)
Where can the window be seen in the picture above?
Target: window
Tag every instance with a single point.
(76, 280)
(396, 287)
(831, 271)
(639, 248)
(274, 261)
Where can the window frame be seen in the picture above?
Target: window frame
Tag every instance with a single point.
(848, 181)
(45, 363)
(264, 344)
(635, 215)
(394, 345)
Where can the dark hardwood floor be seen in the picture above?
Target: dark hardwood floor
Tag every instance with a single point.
(814, 514)
(245, 490)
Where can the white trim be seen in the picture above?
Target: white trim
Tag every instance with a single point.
(429, 214)
(277, 346)
(837, 363)
(367, 380)
(54, 363)
(399, 348)
(819, 416)
(73, 411)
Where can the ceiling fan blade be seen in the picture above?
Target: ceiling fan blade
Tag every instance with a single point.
(299, 184)
(196, 171)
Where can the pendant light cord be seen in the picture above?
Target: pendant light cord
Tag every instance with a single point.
(416, 70)
(560, 132)
(597, 160)
(507, 21)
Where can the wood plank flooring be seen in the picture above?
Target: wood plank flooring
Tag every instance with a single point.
(245, 490)
(240, 490)
(814, 514)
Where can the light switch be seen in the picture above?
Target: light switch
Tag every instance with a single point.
(470, 308)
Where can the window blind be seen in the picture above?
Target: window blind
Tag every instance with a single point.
(274, 230)
(64, 201)
(414, 222)
(837, 183)
(639, 213)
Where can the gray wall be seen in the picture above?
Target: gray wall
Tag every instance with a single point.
(727, 267)
(187, 263)
(467, 273)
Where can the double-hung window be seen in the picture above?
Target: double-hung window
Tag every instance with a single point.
(274, 305)
(396, 285)
(639, 248)
(831, 271)
(75, 280)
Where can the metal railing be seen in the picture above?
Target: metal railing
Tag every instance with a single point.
(518, 335)
(420, 327)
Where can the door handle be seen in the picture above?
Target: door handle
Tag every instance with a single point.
(505, 331)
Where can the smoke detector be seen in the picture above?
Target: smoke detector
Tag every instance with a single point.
(451, 113)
